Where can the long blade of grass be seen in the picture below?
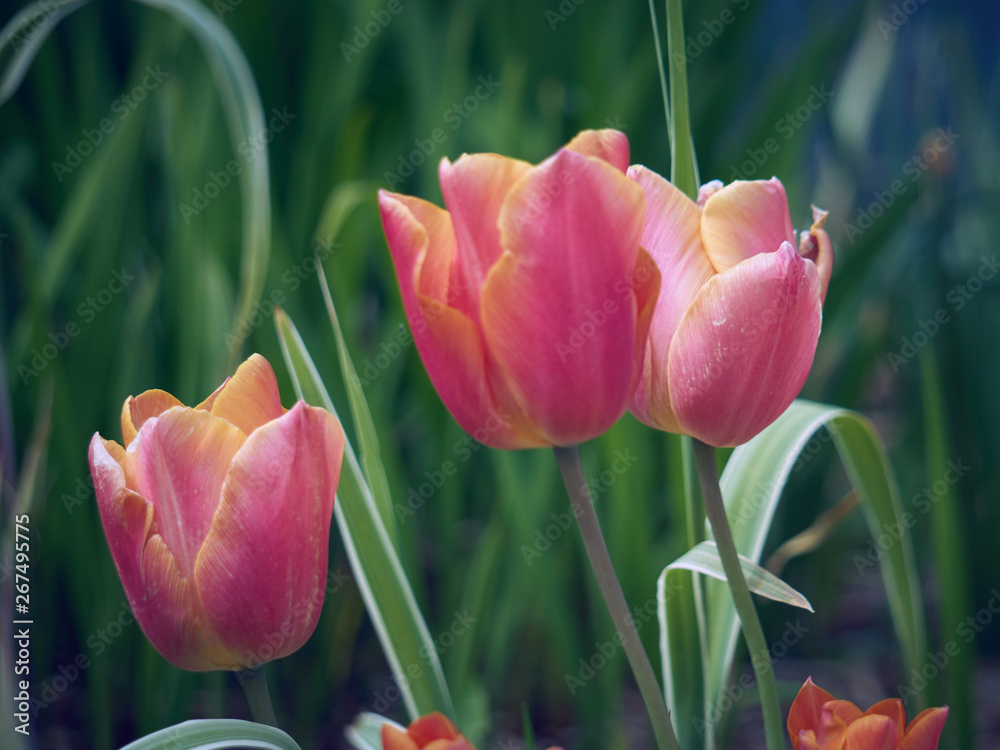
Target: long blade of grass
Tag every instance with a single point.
(245, 117)
(26, 33)
(752, 483)
(683, 164)
(388, 597)
(949, 549)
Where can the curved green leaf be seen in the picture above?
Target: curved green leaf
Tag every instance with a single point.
(387, 594)
(751, 485)
(704, 559)
(209, 734)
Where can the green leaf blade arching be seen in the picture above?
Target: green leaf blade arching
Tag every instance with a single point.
(387, 594)
(213, 734)
(752, 484)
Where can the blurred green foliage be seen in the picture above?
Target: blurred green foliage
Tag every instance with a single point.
(842, 101)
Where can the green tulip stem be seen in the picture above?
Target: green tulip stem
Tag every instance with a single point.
(254, 683)
(600, 561)
(753, 633)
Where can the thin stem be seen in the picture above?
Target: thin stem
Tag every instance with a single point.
(254, 683)
(760, 657)
(600, 561)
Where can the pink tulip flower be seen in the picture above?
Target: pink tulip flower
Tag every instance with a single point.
(218, 519)
(529, 298)
(817, 721)
(735, 329)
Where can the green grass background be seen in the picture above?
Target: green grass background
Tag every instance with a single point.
(358, 116)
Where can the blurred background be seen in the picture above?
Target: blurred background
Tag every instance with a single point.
(125, 259)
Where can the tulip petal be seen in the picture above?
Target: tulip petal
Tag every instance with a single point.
(394, 738)
(474, 189)
(744, 219)
(558, 310)
(806, 740)
(893, 708)
(924, 732)
(273, 526)
(138, 409)
(158, 594)
(432, 726)
(250, 398)
(806, 710)
(179, 462)
(744, 348)
(608, 145)
(815, 245)
(421, 241)
(872, 733)
(671, 235)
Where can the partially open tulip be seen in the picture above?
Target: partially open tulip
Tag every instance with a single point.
(218, 519)
(738, 317)
(434, 731)
(817, 721)
(530, 296)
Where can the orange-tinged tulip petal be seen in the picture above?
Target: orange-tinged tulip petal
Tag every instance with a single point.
(893, 708)
(145, 406)
(180, 460)
(273, 526)
(744, 347)
(250, 398)
(672, 237)
(220, 537)
(806, 740)
(567, 269)
(433, 731)
(608, 145)
(815, 245)
(474, 189)
(396, 739)
(449, 341)
(806, 710)
(744, 219)
(924, 732)
(872, 733)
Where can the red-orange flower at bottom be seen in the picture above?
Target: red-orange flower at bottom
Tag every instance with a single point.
(433, 731)
(430, 732)
(817, 721)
